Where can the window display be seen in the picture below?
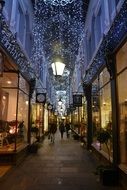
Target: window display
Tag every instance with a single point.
(121, 61)
(37, 122)
(13, 112)
(101, 109)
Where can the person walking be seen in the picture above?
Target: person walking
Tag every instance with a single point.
(67, 127)
(62, 129)
(52, 131)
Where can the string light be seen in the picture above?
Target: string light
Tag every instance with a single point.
(57, 31)
(58, 2)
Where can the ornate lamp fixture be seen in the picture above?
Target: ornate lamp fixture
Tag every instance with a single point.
(58, 2)
(58, 68)
(60, 102)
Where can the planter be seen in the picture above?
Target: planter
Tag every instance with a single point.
(33, 148)
(109, 176)
(76, 137)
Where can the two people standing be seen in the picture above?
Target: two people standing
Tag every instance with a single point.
(64, 128)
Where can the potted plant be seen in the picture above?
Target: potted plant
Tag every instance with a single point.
(103, 136)
(108, 173)
(33, 147)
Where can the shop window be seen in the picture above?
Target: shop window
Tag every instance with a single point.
(23, 100)
(122, 98)
(95, 115)
(121, 58)
(9, 80)
(13, 113)
(84, 118)
(101, 109)
(104, 77)
(121, 64)
(37, 122)
(106, 114)
(23, 85)
(105, 106)
(95, 109)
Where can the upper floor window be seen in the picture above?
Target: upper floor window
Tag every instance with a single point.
(89, 50)
(8, 6)
(98, 27)
(28, 40)
(20, 24)
(93, 36)
(111, 8)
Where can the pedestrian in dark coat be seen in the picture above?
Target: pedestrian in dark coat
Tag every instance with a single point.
(52, 131)
(62, 129)
(67, 127)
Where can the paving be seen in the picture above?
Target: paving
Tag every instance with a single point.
(62, 165)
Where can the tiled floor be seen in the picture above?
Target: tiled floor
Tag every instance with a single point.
(64, 165)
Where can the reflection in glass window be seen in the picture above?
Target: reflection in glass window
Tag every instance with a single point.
(101, 109)
(13, 121)
(105, 106)
(22, 116)
(23, 85)
(121, 60)
(10, 80)
(122, 95)
(8, 97)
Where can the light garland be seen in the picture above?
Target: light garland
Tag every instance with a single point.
(58, 2)
(58, 30)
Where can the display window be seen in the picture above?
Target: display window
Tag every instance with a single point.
(77, 117)
(37, 123)
(95, 109)
(121, 63)
(83, 128)
(101, 110)
(13, 113)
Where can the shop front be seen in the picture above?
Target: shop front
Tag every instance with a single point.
(102, 111)
(14, 104)
(121, 69)
(37, 121)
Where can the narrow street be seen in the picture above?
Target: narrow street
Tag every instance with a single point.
(64, 165)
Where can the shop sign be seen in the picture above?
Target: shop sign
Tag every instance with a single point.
(77, 100)
(41, 97)
(50, 106)
(72, 108)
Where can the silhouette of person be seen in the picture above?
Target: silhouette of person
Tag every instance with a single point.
(67, 127)
(52, 131)
(62, 129)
